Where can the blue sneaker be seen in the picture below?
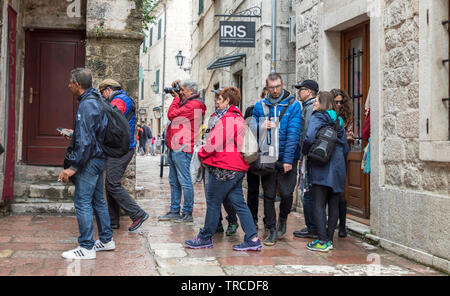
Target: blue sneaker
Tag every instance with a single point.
(330, 245)
(318, 246)
(198, 243)
(248, 246)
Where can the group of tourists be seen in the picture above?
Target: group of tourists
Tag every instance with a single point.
(309, 136)
(287, 131)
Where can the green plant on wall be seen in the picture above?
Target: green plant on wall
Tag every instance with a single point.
(147, 8)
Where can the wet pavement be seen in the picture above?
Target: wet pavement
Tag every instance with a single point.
(32, 245)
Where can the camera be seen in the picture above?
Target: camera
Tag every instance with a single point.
(169, 90)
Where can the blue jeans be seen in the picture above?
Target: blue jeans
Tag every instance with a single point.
(180, 178)
(216, 192)
(308, 210)
(89, 199)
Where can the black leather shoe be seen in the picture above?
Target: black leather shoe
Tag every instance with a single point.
(281, 228)
(271, 239)
(342, 232)
(305, 233)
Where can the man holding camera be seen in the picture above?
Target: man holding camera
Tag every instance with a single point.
(116, 195)
(185, 115)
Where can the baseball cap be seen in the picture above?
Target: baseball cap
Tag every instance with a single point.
(109, 82)
(310, 84)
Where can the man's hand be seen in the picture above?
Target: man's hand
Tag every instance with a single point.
(65, 175)
(268, 124)
(287, 167)
(174, 94)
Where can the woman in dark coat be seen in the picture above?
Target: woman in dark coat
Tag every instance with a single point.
(328, 181)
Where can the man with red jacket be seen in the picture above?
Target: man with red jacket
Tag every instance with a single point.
(185, 115)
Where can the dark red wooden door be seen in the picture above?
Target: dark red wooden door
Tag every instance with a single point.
(50, 56)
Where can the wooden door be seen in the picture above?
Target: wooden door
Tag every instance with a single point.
(355, 81)
(49, 104)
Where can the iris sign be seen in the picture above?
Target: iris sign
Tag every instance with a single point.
(237, 34)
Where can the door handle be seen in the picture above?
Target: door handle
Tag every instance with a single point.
(31, 95)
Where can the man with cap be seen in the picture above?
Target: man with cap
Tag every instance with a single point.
(116, 195)
(307, 92)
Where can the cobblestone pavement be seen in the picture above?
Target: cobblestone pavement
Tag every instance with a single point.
(32, 245)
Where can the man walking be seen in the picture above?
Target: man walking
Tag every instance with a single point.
(286, 133)
(307, 92)
(116, 195)
(87, 161)
(185, 115)
(148, 137)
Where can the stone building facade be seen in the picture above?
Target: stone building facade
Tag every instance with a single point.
(409, 195)
(250, 72)
(166, 36)
(51, 38)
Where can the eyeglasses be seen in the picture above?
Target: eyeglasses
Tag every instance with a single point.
(274, 87)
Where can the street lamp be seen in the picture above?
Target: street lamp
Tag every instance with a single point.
(155, 87)
(180, 59)
(157, 112)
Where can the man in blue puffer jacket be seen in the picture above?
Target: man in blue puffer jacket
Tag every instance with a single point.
(286, 134)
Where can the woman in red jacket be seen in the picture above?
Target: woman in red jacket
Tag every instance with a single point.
(227, 169)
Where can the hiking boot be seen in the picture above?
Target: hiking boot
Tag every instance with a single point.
(169, 216)
(342, 232)
(271, 239)
(198, 243)
(220, 228)
(281, 228)
(79, 253)
(185, 218)
(109, 246)
(305, 233)
(248, 246)
(232, 227)
(138, 222)
(318, 246)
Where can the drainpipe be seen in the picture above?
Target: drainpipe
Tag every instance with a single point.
(274, 37)
(164, 70)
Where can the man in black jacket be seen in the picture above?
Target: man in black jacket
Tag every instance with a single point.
(87, 161)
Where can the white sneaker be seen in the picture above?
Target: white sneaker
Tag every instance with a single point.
(99, 246)
(80, 253)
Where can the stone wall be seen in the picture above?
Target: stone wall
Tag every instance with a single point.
(307, 39)
(114, 34)
(401, 105)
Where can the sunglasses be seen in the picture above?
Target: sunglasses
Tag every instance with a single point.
(340, 102)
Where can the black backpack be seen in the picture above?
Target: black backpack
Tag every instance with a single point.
(324, 144)
(117, 136)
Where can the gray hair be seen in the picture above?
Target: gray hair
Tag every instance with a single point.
(190, 84)
(82, 76)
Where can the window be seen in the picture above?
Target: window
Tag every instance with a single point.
(200, 7)
(142, 89)
(434, 115)
(151, 37)
(157, 80)
(159, 28)
(144, 45)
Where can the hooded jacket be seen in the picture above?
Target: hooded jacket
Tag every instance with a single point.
(289, 128)
(220, 149)
(185, 117)
(333, 173)
(90, 128)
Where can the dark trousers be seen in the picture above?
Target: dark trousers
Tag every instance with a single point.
(342, 211)
(323, 195)
(287, 186)
(308, 211)
(253, 182)
(116, 195)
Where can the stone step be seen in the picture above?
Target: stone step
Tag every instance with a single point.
(46, 192)
(35, 174)
(63, 208)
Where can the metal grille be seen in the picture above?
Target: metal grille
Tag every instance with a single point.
(446, 61)
(354, 87)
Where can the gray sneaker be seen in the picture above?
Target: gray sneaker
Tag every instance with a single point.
(185, 218)
(169, 216)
